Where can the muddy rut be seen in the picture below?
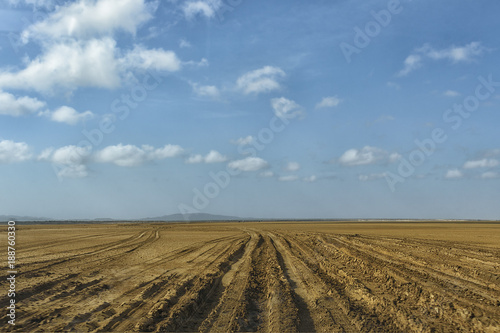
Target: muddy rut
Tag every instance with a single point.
(250, 279)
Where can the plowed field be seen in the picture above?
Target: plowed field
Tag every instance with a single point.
(265, 277)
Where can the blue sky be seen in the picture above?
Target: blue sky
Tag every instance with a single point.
(272, 109)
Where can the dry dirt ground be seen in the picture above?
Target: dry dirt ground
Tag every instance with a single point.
(265, 277)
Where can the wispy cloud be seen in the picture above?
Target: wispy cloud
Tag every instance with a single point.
(482, 163)
(454, 174)
(451, 93)
(212, 157)
(261, 80)
(286, 108)
(367, 155)
(454, 54)
(329, 102)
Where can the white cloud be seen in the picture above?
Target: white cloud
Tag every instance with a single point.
(490, 175)
(68, 115)
(68, 161)
(207, 8)
(285, 108)
(329, 102)
(290, 178)
(13, 152)
(94, 63)
(215, 157)
(158, 59)
(67, 155)
(17, 106)
(484, 163)
(260, 80)
(212, 157)
(167, 151)
(454, 174)
(249, 164)
(310, 179)
(451, 93)
(130, 155)
(72, 171)
(373, 176)
(454, 54)
(87, 19)
(205, 91)
(266, 174)
(367, 155)
(243, 141)
(292, 166)
(411, 63)
(194, 159)
(184, 44)
(67, 66)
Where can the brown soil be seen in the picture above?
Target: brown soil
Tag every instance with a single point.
(257, 277)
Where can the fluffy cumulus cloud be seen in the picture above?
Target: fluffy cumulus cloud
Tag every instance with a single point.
(261, 80)
(95, 63)
(367, 155)
(68, 115)
(13, 152)
(130, 155)
(483, 163)
(66, 66)
(212, 157)
(454, 54)
(18, 106)
(207, 8)
(454, 174)
(78, 48)
(329, 102)
(249, 164)
(69, 161)
(285, 108)
(86, 19)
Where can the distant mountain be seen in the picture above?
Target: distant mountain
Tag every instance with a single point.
(4, 218)
(192, 217)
